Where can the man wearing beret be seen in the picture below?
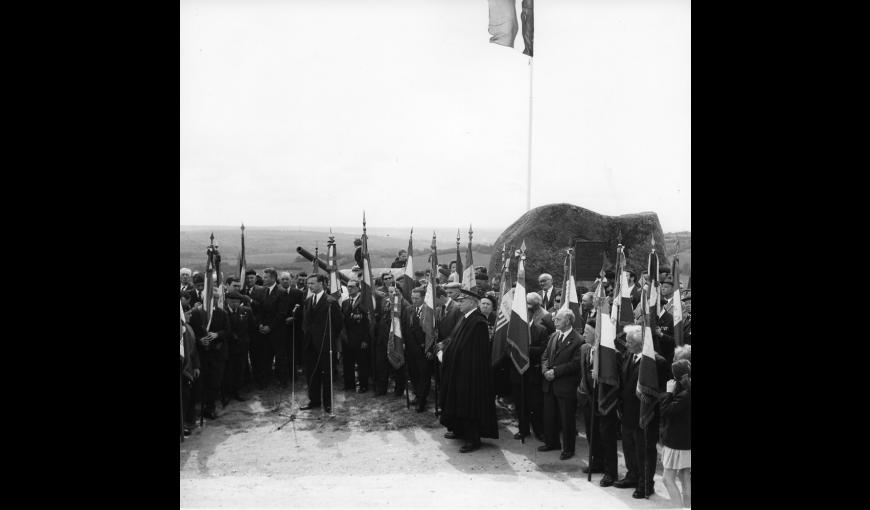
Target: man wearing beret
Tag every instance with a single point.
(467, 397)
(241, 320)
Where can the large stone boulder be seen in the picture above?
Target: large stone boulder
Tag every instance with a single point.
(549, 230)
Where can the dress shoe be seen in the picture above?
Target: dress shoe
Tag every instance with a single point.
(540, 437)
(210, 414)
(593, 469)
(606, 481)
(187, 432)
(469, 447)
(520, 436)
(548, 448)
(362, 389)
(566, 455)
(640, 493)
(421, 408)
(308, 406)
(625, 483)
(451, 435)
(328, 409)
(239, 397)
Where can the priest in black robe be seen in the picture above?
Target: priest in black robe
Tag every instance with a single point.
(467, 397)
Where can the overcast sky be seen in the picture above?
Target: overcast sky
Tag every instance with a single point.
(306, 113)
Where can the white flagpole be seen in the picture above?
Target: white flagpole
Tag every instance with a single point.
(529, 175)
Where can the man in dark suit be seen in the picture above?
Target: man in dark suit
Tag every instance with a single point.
(547, 292)
(274, 310)
(418, 366)
(530, 410)
(538, 315)
(240, 319)
(321, 316)
(637, 443)
(634, 288)
(293, 320)
(447, 315)
(186, 284)
(355, 351)
(560, 365)
(213, 345)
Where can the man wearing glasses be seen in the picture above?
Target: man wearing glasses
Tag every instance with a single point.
(548, 293)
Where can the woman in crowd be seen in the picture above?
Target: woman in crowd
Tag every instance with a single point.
(676, 433)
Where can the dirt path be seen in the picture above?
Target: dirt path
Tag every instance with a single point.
(375, 453)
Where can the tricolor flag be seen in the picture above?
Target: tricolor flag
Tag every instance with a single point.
(458, 259)
(647, 378)
(623, 313)
(332, 268)
(518, 326)
(605, 363)
(654, 294)
(183, 322)
(242, 262)
(468, 280)
(408, 282)
(677, 308)
(570, 301)
(395, 345)
(503, 24)
(367, 301)
(505, 304)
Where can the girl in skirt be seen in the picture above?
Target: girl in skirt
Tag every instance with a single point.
(676, 433)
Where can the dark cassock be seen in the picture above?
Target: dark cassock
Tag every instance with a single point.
(466, 397)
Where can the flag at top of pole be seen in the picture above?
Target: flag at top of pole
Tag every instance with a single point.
(242, 263)
(468, 280)
(367, 302)
(518, 328)
(503, 26)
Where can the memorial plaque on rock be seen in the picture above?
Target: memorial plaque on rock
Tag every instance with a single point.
(587, 259)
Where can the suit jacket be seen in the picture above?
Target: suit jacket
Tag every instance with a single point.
(412, 329)
(447, 321)
(219, 325)
(315, 324)
(629, 404)
(542, 318)
(665, 343)
(274, 309)
(183, 288)
(550, 303)
(564, 359)
(240, 323)
(356, 323)
(636, 292)
(294, 297)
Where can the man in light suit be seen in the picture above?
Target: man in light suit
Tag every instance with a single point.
(560, 365)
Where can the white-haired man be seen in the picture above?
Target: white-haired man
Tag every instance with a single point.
(547, 292)
(186, 284)
(560, 366)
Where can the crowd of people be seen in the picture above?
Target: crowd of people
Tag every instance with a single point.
(262, 329)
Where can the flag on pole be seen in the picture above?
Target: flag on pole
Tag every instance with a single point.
(209, 282)
(570, 300)
(624, 312)
(458, 260)
(408, 282)
(468, 280)
(430, 320)
(367, 302)
(503, 26)
(654, 291)
(605, 362)
(505, 304)
(647, 378)
(518, 333)
(395, 345)
(183, 322)
(242, 263)
(677, 308)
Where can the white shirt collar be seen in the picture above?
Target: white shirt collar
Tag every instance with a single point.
(317, 296)
(467, 315)
(272, 287)
(447, 303)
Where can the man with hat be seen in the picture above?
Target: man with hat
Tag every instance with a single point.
(419, 368)
(185, 279)
(467, 398)
(355, 351)
(241, 321)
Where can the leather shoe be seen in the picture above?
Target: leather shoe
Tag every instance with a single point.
(520, 436)
(540, 437)
(469, 447)
(451, 435)
(606, 481)
(593, 469)
(328, 409)
(210, 414)
(625, 483)
(640, 493)
(566, 455)
(308, 406)
(186, 432)
(547, 448)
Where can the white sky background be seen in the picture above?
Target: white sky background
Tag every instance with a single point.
(306, 113)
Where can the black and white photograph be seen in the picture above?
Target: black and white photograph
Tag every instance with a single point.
(435, 254)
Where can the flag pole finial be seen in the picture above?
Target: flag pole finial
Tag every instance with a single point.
(457, 238)
(243, 227)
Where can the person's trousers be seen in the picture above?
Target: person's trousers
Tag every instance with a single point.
(399, 376)
(356, 357)
(212, 376)
(636, 441)
(280, 344)
(317, 373)
(233, 373)
(530, 410)
(419, 369)
(604, 443)
(189, 392)
(261, 358)
(559, 417)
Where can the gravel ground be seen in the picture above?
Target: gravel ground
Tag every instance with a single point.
(375, 453)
